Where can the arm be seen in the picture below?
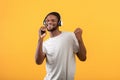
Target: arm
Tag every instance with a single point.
(82, 50)
(40, 56)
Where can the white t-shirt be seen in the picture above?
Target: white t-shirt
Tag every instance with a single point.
(60, 56)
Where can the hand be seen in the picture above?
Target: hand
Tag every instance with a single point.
(78, 33)
(42, 32)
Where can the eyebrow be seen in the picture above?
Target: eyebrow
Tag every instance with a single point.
(51, 19)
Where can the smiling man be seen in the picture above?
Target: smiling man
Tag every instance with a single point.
(60, 49)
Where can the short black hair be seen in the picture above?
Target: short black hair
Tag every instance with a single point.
(55, 14)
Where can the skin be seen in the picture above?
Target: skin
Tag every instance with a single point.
(82, 50)
(53, 30)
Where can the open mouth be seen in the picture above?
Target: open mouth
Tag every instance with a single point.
(49, 26)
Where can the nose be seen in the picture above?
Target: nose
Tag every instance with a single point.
(50, 22)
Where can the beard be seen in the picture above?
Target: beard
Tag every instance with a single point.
(53, 28)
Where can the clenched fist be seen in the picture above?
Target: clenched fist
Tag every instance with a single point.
(78, 33)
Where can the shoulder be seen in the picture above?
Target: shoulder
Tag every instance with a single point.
(72, 34)
(68, 33)
(46, 41)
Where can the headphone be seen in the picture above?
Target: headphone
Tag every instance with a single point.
(59, 23)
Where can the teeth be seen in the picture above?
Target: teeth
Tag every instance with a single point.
(50, 25)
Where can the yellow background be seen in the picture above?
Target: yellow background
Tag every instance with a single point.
(21, 19)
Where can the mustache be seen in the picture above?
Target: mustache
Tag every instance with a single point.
(46, 25)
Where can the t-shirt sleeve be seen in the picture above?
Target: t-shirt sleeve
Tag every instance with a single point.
(44, 48)
(75, 43)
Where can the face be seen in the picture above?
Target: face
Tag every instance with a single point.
(51, 22)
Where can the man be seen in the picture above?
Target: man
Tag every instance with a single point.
(60, 49)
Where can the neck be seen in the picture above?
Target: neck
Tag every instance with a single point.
(55, 33)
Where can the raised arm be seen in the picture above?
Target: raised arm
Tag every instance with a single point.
(40, 55)
(82, 50)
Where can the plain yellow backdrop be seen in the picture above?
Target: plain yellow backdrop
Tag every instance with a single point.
(21, 19)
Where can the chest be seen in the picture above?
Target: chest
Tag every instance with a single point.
(58, 45)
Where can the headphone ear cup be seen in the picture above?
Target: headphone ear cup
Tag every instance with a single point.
(59, 23)
(44, 22)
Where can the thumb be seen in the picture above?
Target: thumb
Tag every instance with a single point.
(43, 35)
